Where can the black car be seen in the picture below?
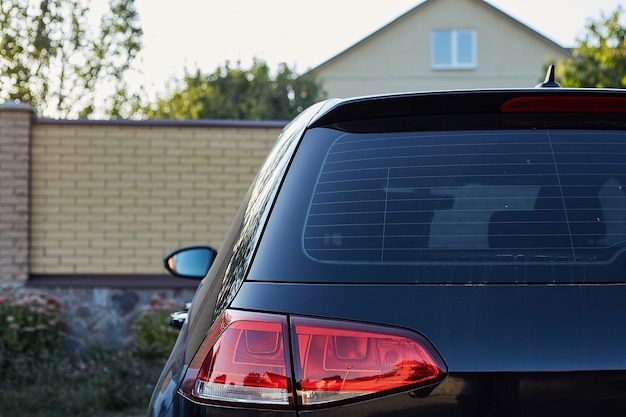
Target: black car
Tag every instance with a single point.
(457, 253)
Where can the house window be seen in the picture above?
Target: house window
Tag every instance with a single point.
(453, 49)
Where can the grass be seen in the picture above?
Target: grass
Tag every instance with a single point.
(97, 384)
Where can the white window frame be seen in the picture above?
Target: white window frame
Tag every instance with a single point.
(454, 61)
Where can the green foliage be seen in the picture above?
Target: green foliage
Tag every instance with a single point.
(53, 60)
(600, 59)
(38, 377)
(96, 383)
(238, 93)
(114, 380)
(155, 338)
(31, 325)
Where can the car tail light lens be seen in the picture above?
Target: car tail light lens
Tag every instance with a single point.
(341, 360)
(246, 358)
(566, 104)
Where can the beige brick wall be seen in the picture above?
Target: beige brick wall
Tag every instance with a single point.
(15, 132)
(114, 197)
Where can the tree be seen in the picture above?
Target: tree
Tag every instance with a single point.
(237, 93)
(53, 60)
(600, 59)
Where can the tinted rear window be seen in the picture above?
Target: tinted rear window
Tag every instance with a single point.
(463, 196)
(459, 206)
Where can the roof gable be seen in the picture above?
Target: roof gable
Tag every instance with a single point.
(481, 6)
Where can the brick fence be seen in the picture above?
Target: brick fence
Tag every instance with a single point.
(97, 204)
(15, 133)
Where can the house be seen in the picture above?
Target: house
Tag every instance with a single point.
(442, 45)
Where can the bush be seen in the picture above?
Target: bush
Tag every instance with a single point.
(112, 379)
(97, 383)
(31, 328)
(39, 378)
(155, 337)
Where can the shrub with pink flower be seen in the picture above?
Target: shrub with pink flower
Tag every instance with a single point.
(155, 337)
(31, 323)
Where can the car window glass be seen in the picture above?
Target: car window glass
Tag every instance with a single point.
(465, 196)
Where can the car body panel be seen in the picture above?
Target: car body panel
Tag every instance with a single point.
(484, 328)
(576, 394)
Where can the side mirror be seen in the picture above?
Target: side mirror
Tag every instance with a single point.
(193, 262)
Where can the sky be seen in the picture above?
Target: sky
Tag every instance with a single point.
(303, 34)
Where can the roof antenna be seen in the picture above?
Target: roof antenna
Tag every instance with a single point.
(549, 81)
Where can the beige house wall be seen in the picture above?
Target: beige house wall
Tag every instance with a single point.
(398, 57)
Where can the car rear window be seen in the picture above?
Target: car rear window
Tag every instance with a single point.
(495, 195)
(527, 205)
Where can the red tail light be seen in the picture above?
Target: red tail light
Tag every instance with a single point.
(340, 360)
(245, 358)
(567, 104)
(242, 359)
